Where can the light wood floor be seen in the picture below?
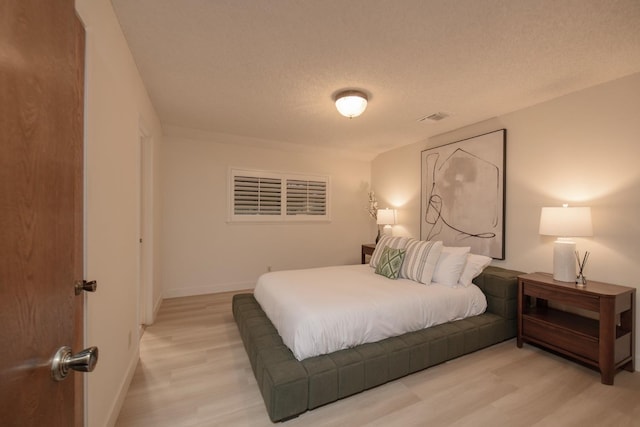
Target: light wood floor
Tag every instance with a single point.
(193, 371)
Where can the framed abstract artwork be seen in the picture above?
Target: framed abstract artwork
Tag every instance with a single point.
(463, 193)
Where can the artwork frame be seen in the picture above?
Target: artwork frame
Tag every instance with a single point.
(463, 193)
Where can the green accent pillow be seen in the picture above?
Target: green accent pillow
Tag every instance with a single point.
(390, 262)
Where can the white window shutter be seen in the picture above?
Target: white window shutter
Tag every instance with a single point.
(257, 196)
(306, 197)
(261, 196)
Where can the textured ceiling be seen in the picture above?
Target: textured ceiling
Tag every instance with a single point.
(269, 69)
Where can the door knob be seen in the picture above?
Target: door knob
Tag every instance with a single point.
(83, 285)
(63, 361)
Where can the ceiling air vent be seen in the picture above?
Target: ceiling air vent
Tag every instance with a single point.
(435, 117)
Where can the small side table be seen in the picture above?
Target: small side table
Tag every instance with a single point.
(604, 340)
(367, 249)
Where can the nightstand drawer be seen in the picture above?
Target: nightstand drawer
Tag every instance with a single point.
(561, 338)
(564, 297)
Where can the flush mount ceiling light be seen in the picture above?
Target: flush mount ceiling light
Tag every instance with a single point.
(351, 103)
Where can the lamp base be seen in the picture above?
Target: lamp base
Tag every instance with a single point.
(564, 260)
(386, 230)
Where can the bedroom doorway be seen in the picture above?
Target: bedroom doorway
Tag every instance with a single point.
(145, 256)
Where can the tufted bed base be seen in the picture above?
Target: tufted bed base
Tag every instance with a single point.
(290, 387)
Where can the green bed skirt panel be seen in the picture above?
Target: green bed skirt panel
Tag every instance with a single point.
(290, 387)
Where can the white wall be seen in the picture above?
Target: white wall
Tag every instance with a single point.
(582, 148)
(203, 253)
(116, 104)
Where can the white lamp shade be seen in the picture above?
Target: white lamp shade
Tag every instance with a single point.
(566, 222)
(386, 217)
(351, 103)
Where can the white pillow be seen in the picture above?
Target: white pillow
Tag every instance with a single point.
(472, 269)
(420, 260)
(450, 265)
(390, 241)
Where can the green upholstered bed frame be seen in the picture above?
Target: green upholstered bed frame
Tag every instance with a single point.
(290, 387)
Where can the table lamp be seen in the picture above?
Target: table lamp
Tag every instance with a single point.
(565, 222)
(386, 217)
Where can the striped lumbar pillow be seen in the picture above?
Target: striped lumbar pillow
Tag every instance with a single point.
(420, 260)
(390, 241)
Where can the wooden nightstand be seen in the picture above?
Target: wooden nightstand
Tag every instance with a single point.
(602, 337)
(367, 249)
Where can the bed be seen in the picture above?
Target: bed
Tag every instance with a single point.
(322, 310)
(294, 383)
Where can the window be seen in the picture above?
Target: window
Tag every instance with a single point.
(268, 196)
(306, 197)
(256, 196)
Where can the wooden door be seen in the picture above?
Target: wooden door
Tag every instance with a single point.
(41, 209)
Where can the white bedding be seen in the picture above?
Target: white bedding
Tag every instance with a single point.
(322, 310)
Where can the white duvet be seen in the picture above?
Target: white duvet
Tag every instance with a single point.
(322, 310)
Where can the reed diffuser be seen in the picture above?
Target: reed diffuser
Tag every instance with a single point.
(580, 279)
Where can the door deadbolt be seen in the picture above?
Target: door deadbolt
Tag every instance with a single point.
(63, 361)
(83, 285)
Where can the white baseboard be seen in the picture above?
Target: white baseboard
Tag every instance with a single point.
(210, 289)
(154, 310)
(124, 387)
